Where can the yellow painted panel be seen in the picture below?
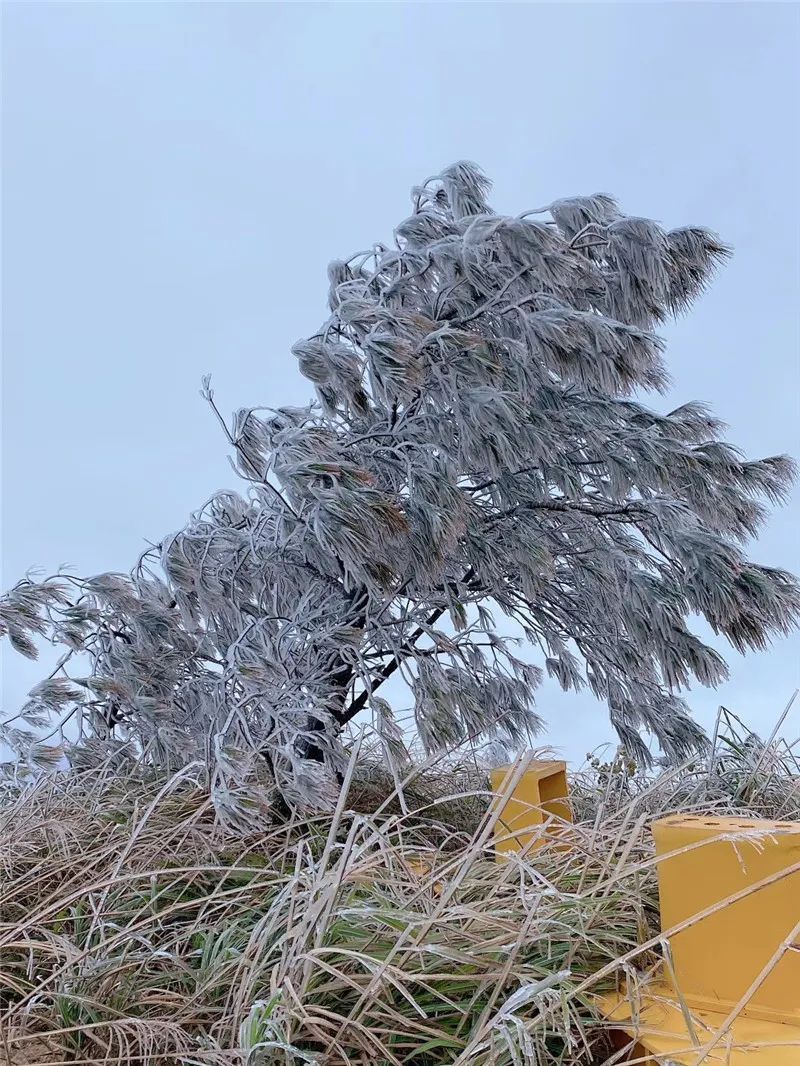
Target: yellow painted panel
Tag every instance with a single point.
(540, 794)
(717, 959)
(657, 1026)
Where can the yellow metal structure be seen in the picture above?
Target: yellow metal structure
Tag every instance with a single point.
(729, 892)
(655, 1031)
(705, 861)
(536, 804)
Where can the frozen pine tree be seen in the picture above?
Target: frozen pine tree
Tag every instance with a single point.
(478, 451)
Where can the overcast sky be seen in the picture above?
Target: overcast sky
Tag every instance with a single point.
(177, 177)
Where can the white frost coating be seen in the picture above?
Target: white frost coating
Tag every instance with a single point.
(475, 451)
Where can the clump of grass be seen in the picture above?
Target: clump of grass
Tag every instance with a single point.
(135, 930)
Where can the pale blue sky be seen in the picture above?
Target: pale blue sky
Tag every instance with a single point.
(177, 177)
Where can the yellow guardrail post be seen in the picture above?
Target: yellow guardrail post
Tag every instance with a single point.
(729, 893)
(707, 861)
(536, 804)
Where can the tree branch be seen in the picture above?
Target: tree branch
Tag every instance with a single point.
(360, 701)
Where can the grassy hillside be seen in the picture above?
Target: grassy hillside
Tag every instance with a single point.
(134, 930)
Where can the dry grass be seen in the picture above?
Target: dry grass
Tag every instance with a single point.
(134, 930)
